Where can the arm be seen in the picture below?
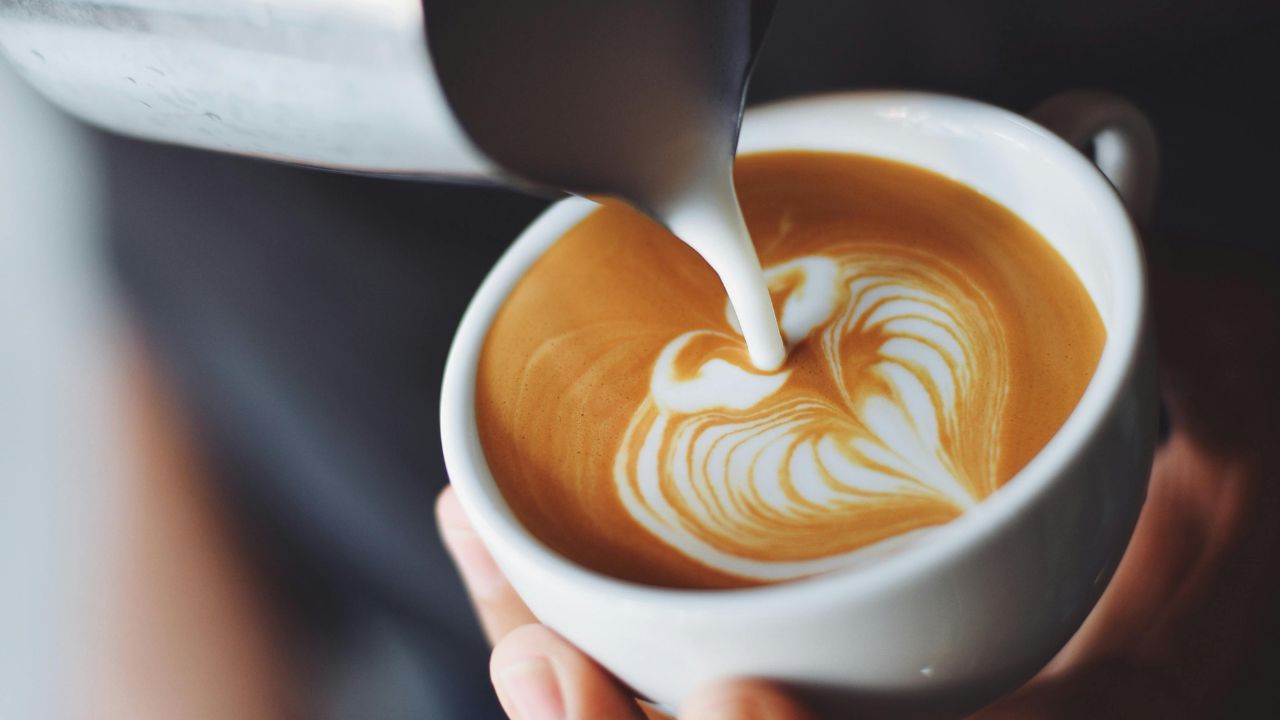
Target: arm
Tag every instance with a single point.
(178, 629)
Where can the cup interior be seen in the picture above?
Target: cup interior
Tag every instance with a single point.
(1004, 156)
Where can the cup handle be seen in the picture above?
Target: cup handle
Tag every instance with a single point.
(1123, 142)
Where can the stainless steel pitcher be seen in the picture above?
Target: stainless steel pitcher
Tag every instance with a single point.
(625, 97)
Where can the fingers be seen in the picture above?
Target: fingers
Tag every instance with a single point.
(743, 700)
(540, 676)
(497, 604)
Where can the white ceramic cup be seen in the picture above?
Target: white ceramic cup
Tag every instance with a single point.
(952, 622)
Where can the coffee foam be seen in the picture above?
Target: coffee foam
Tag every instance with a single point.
(935, 343)
(725, 463)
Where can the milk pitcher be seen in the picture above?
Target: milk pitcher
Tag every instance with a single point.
(621, 98)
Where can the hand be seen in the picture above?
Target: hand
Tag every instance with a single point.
(1187, 626)
(540, 676)
(1175, 635)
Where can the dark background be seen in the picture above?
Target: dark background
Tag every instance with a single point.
(305, 316)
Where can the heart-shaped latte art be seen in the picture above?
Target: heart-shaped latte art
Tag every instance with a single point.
(887, 420)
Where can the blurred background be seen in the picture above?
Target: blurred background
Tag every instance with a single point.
(219, 376)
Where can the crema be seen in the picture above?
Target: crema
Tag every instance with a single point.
(935, 342)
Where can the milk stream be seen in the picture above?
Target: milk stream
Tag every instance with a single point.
(709, 220)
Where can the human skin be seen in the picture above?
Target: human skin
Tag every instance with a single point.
(179, 626)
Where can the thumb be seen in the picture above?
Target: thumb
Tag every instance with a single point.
(743, 700)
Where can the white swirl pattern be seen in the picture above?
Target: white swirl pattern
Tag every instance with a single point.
(736, 468)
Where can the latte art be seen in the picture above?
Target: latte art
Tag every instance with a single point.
(935, 342)
(741, 470)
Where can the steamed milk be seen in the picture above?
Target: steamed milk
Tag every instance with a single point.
(934, 343)
(709, 221)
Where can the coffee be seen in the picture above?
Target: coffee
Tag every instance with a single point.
(936, 342)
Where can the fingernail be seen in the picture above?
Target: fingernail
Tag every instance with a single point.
(531, 689)
(480, 573)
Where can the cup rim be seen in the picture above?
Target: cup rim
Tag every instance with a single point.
(487, 509)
